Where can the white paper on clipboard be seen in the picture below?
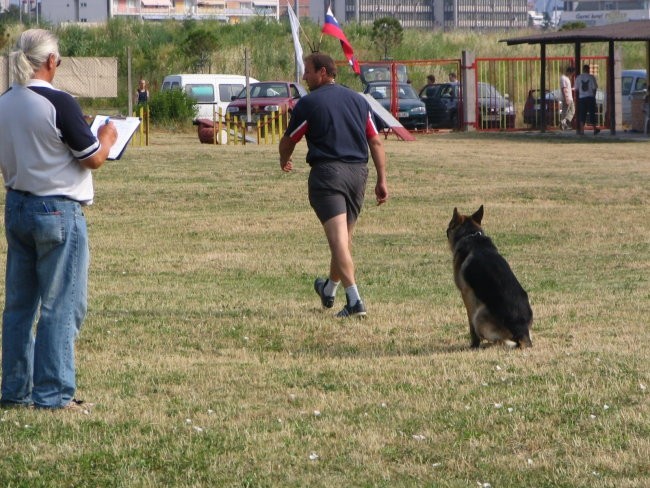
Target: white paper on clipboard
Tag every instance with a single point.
(126, 127)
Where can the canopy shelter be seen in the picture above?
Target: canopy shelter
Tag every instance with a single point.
(634, 30)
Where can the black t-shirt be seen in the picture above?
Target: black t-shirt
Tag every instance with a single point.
(337, 123)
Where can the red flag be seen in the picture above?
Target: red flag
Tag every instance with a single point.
(332, 28)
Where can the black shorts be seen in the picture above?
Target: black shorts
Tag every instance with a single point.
(587, 105)
(337, 188)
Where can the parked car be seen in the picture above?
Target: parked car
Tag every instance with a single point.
(371, 72)
(533, 108)
(212, 92)
(444, 106)
(633, 83)
(266, 98)
(600, 105)
(494, 110)
(411, 111)
(441, 102)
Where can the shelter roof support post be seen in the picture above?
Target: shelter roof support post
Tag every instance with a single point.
(611, 103)
(468, 90)
(578, 70)
(647, 57)
(542, 90)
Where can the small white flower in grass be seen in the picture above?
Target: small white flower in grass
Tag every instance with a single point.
(467, 407)
(292, 397)
(313, 456)
(510, 409)
(529, 462)
(188, 421)
(210, 411)
(316, 413)
(592, 416)
(245, 338)
(383, 405)
(279, 421)
(418, 437)
(484, 485)
(197, 428)
(642, 386)
(26, 426)
(605, 407)
(498, 368)
(484, 383)
(498, 405)
(436, 465)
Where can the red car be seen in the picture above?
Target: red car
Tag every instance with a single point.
(533, 109)
(266, 98)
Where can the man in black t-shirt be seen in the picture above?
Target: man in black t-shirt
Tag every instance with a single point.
(339, 127)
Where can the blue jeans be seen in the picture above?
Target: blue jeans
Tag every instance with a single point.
(46, 280)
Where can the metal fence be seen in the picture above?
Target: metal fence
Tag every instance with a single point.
(517, 81)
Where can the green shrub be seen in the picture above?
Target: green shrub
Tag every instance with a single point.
(171, 106)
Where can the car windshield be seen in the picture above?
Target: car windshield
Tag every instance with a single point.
(488, 91)
(404, 91)
(266, 90)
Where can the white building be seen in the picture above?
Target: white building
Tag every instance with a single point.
(97, 11)
(58, 11)
(599, 12)
(429, 14)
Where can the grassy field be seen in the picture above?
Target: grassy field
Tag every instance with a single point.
(213, 365)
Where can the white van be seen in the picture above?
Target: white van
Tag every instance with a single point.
(634, 83)
(211, 92)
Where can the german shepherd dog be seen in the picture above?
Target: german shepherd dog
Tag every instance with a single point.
(497, 306)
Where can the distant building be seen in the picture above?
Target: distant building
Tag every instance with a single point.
(96, 11)
(228, 11)
(598, 12)
(301, 7)
(430, 14)
(61, 11)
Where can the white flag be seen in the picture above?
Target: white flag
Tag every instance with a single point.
(295, 28)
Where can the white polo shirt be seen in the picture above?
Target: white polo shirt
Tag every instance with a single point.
(43, 136)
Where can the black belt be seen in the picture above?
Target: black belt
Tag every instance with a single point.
(28, 194)
(22, 192)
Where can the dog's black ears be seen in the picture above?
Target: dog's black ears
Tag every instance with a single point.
(478, 215)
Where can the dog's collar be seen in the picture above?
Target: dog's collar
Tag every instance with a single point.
(475, 234)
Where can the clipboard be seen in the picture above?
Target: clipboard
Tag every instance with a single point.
(126, 127)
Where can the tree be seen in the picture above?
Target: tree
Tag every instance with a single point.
(199, 45)
(387, 33)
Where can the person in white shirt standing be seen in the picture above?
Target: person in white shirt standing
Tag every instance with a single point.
(586, 86)
(47, 152)
(568, 106)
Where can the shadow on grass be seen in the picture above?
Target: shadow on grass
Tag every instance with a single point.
(551, 136)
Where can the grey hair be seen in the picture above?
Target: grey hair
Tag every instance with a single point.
(32, 50)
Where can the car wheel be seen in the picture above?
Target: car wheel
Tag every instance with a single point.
(453, 121)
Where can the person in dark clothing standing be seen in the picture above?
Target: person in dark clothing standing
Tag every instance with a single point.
(142, 93)
(339, 127)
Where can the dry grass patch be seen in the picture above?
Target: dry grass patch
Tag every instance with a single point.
(213, 364)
